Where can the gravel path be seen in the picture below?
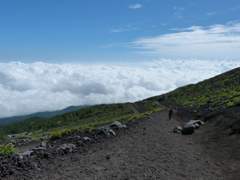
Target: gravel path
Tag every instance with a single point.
(147, 149)
(135, 111)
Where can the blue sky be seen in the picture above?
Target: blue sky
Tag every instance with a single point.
(58, 31)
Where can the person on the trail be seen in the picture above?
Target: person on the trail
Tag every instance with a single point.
(170, 113)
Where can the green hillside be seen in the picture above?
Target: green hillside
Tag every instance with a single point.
(219, 92)
(47, 114)
(85, 117)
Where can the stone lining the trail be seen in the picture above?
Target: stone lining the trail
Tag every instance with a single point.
(177, 129)
(199, 122)
(43, 144)
(86, 139)
(69, 147)
(26, 160)
(118, 125)
(107, 131)
(44, 137)
(27, 153)
(189, 127)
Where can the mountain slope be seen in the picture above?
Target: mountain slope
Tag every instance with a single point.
(81, 118)
(219, 92)
(46, 114)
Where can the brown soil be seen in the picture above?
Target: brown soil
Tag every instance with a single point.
(146, 149)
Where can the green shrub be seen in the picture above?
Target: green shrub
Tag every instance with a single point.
(145, 114)
(7, 149)
(139, 116)
(158, 109)
(88, 128)
(58, 134)
(230, 104)
(234, 102)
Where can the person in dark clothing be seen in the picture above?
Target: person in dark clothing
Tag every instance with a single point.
(170, 113)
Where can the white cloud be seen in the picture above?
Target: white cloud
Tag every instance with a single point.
(223, 11)
(135, 6)
(178, 12)
(212, 13)
(217, 41)
(179, 8)
(117, 30)
(29, 88)
(129, 27)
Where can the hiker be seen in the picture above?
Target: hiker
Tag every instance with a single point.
(170, 113)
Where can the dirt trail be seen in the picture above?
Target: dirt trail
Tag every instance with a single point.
(160, 105)
(134, 109)
(147, 149)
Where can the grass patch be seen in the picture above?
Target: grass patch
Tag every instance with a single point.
(219, 92)
(142, 115)
(7, 149)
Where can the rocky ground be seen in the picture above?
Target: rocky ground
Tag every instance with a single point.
(146, 149)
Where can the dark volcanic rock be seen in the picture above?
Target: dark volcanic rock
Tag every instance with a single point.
(66, 147)
(118, 125)
(177, 129)
(188, 128)
(106, 131)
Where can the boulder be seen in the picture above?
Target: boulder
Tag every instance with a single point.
(118, 125)
(77, 137)
(106, 131)
(188, 128)
(44, 138)
(43, 144)
(39, 150)
(196, 125)
(199, 122)
(177, 129)
(86, 139)
(66, 147)
(27, 153)
(17, 155)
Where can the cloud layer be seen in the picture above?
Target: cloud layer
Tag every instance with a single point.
(217, 41)
(28, 88)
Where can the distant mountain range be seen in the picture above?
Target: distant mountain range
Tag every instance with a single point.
(46, 114)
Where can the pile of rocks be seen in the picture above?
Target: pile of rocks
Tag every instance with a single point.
(188, 128)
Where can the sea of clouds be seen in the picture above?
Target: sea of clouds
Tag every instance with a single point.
(27, 88)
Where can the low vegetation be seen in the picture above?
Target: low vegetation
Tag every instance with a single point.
(7, 149)
(145, 114)
(84, 118)
(147, 105)
(220, 92)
